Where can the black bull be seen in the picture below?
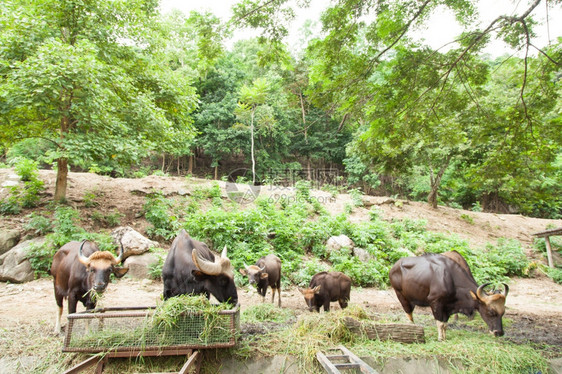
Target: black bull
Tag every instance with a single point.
(441, 283)
(191, 268)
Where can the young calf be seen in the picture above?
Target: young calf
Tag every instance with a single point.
(266, 272)
(325, 287)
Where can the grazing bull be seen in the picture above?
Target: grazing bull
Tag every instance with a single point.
(191, 268)
(325, 287)
(79, 268)
(266, 272)
(441, 283)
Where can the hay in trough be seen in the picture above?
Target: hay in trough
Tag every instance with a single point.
(182, 321)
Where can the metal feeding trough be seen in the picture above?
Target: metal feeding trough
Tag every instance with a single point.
(135, 332)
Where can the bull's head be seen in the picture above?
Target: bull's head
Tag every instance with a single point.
(254, 273)
(217, 276)
(309, 294)
(491, 307)
(99, 266)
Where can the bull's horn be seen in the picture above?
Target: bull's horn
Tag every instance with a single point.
(83, 259)
(207, 267)
(263, 268)
(120, 258)
(480, 290)
(223, 254)
(506, 289)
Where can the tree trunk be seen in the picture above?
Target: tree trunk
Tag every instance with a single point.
(163, 162)
(435, 182)
(252, 150)
(62, 174)
(216, 172)
(190, 165)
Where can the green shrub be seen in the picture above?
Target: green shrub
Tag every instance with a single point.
(555, 274)
(155, 270)
(157, 211)
(27, 169)
(509, 256)
(90, 199)
(39, 224)
(306, 272)
(29, 195)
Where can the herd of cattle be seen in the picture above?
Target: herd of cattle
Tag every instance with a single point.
(443, 282)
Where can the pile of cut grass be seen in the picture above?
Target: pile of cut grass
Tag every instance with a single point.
(181, 320)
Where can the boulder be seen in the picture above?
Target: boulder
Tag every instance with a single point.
(335, 243)
(8, 240)
(133, 242)
(14, 264)
(139, 265)
(362, 254)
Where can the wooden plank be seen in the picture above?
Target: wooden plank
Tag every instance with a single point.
(365, 368)
(190, 362)
(83, 365)
(326, 364)
(348, 365)
(542, 234)
(549, 252)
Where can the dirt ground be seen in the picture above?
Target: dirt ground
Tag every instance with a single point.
(534, 306)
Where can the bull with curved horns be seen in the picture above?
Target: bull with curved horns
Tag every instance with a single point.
(441, 283)
(79, 268)
(191, 268)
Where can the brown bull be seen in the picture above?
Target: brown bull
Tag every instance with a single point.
(265, 273)
(441, 283)
(79, 268)
(325, 287)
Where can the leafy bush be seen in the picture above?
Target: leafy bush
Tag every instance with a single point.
(509, 256)
(555, 274)
(111, 219)
(308, 269)
(29, 195)
(155, 270)
(27, 169)
(39, 224)
(157, 212)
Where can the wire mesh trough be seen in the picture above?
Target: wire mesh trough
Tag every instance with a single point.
(136, 329)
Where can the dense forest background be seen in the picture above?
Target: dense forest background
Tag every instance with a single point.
(115, 87)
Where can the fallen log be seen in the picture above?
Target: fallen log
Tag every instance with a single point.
(400, 332)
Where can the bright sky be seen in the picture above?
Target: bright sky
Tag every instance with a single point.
(442, 27)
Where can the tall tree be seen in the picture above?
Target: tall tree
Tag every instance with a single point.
(251, 98)
(81, 74)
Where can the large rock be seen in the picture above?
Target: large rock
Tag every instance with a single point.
(335, 243)
(362, 254)
(14, 265)
(139, 265)
(133, 242)
(8, 240)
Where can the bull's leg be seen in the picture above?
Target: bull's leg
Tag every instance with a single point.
(57, 319)
(343, 303)
(441, 330)
(278, 297)
(408, 308)
(59, 299)
(272, 295)
(327, 305)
